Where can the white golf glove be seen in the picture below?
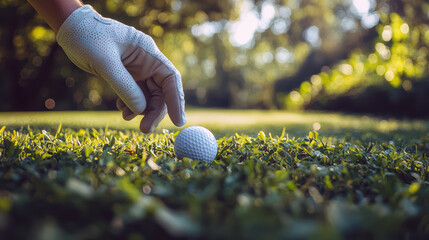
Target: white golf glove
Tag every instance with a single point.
(145, 80)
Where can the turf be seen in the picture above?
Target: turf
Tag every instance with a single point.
(225, 122)
(85, 175)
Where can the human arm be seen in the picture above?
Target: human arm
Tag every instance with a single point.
(146, 82)
(55, 12)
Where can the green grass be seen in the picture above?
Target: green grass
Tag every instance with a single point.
(224, 122)
(97, 176)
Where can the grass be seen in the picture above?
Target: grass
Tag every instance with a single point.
(222, 122)
(95, 176)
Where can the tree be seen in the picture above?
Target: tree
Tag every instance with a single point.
(242, 54)
(34, 69)
(389, 77)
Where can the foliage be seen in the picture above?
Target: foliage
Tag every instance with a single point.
(104, 183)
(391, 79)
(198, 36)
(33, 68)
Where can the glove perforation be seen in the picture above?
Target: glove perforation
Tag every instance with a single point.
(98, 45)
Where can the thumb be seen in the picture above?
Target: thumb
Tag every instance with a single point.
(121, 81)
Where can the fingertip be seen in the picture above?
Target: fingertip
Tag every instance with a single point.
(129, 112)
(138, 107)
(181, 122)
(128, 116)
(144, 130)
(147, 126)
(120, 104)
(177, 113)
(147, 130)
(152, 119)
(177, 117)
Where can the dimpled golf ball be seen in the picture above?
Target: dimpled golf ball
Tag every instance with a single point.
(196, 143)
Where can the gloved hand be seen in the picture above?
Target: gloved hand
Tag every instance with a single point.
(145, 80)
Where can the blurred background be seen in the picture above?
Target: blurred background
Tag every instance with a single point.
(363, 56)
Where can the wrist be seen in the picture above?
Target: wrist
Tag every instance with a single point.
(66, 30)
(55, 12)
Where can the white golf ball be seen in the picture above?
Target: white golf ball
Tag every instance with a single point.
(196, 143)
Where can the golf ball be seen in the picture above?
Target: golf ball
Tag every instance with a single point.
(196, 143)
